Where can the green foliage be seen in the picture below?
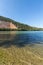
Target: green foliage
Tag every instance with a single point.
(6, 29)
(20, 26)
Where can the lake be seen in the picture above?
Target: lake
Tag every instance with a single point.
(21, 38)
(26, 37)
(21, 47)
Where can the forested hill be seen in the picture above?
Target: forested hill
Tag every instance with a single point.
(20, 26)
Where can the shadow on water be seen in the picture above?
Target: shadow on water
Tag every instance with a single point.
(20, 40)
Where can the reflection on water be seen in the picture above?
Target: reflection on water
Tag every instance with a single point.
(20, 38)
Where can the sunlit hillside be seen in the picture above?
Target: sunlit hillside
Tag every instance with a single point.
(9, 24)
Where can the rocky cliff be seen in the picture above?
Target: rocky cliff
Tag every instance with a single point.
(10, 25)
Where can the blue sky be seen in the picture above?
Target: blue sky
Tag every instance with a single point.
(25, 11)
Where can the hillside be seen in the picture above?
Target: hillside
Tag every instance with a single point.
(16, 25)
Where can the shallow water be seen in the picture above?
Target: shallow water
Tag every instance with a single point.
(27, 46)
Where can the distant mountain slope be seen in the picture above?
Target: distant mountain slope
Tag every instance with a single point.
(16, 25)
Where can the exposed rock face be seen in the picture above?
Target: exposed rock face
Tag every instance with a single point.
(10, 25)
